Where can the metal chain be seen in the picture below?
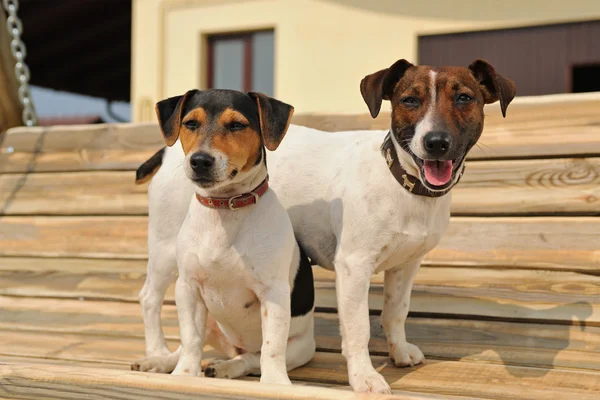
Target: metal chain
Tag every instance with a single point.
(19, 51)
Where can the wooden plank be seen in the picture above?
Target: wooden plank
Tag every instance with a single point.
(529, 187)
(79, 147)
(30, 381)
(563, 243)
(534, 128)
(99, 237)
(566, 186)
(545, 296)
(437, 377)
(87, 193)
(547, 346)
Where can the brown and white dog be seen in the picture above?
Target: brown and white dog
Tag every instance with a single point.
(215, 219)
(362, 202)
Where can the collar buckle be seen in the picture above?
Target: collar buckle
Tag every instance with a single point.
(240, 196)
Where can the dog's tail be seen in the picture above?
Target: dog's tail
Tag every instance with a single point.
(147, 170)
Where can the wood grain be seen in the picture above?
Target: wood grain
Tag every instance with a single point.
(79, 147)
(525, 344)
(563, 243)
(537, 127)
(531, 129)
(526, 187)
(29, 381)
(436, 377)
(72, 193)
(565, 186)
(562, 297)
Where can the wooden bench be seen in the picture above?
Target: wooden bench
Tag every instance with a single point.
(507, 306)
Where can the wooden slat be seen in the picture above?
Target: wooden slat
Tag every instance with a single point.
(79, 147)
(440, 377)
(534, 127)
(30, 381)
(72, 193)
(544, 126)
(564, 243)
(529, 187)
(562, 297)
(488, 188)
(547, 346)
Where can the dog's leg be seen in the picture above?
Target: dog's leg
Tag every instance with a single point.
(352, 283)
(300, 350)
(397, 289)
(192, 325)
(276, 316)
(162, 269)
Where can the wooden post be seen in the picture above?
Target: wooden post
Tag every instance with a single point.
(10, 107)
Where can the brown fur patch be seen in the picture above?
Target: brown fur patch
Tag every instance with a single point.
(191, 140)
(243, 147)
(465, 119)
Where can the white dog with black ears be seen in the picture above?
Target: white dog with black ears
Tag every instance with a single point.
(244, 285)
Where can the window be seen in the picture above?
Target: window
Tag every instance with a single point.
(586, 78)
(242, 61)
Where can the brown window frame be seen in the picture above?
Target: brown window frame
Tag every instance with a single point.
(248, 58)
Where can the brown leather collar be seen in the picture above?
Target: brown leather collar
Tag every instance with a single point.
(237, 201)
(407, 181)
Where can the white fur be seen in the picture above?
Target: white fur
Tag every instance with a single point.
(351, 215)
(426, 125)
(239, 266)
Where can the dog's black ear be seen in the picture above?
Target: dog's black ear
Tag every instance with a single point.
(380, 85)
(274, 118)
(169, 116)
(493, 85)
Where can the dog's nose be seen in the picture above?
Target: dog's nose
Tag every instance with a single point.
(201, 162)
(437, 144)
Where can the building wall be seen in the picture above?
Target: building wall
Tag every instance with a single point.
(323, 48)
(539, 59)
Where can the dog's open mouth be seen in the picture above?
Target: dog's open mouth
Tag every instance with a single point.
(437, 174)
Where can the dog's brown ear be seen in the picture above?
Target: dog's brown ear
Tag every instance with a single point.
(493, 85)
(380, 85)
(274, 117)
(169, 116)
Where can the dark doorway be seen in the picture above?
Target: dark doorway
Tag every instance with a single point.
(585, 78)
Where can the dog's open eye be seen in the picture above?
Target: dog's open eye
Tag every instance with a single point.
(236, 126)
(464, 98)
(410, 101)
(191, 124)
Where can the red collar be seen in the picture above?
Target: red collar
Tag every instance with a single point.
(237, 201)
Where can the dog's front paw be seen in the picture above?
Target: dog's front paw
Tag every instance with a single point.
(369, 382)
(406, 355)
(186, 368)
(159, 364)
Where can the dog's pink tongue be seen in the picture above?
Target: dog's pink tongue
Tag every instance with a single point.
(438, 173)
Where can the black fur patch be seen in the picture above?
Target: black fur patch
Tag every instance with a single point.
(303, 294)
(149, 168)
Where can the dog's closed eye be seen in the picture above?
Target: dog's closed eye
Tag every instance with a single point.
(236, 126)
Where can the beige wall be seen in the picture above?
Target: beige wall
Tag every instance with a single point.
(322, 47)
